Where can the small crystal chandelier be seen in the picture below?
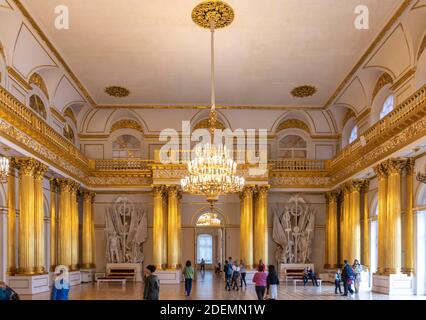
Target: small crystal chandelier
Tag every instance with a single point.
(212, 171)
(4, 168)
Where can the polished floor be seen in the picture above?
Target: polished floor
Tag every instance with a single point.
(210, 287)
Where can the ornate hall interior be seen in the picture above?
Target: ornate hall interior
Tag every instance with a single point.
(319, 108)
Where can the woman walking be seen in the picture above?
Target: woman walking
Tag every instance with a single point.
(243, 273)
(259, 279)
(272, 282)
(188, 274)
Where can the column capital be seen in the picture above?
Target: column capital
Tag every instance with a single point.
(88, 194)
(173, 190)
(63, 184)
(381, 170)
(263, 189)
(357, 184)
(158, 190)
(396, 165)
(410, 165)
(248, 191)
(40, 170)
(332, 196)
(26, 166)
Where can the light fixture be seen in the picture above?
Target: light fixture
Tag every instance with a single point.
(4, 168)
(212, 171)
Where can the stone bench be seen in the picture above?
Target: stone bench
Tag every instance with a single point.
(100, 280)
(295, 281)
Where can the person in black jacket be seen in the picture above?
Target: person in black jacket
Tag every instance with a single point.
(347, 278)
(272, 282)
(152, 284)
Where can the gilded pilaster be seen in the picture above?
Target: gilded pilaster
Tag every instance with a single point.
(158, 227)
(365, 260)
(260, 234)
(381, 171)
(88, 231)
(74, 226)
(179, 225)
(409, 218)
(346, 222)
(39, 250)
(26, 237)
(246, 226)
(11, 220)
(355, 220)
(64, 223)
(172, 228)
(331, 230)
(165, 228)
(53, 226)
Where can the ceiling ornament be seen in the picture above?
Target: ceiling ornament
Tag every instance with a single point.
(204, 124)
(68, 113)
(126, 124)
(116, 91)
(218, 12)
(383, 80)
(38, 81)
(212, 171)
(422, 48)
(304, 91)
(293, 124)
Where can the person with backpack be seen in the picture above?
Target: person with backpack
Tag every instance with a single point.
(188, 274)
(347, 278)
(7, 293)
(152, 284)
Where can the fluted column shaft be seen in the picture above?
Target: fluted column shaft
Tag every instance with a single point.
(346, 222)
(11, 221)
(53, 226)
(172, 228)
(165, 229)
(355, 221)
(158, 227)
(409, 219)
(64, 224)
(382, 174)
(331, 230)
(39, 248)
(246, 226)
(26, 235)
(365, 260)
(260, 235)
(179, 223)
(88, 231)
(74, 227)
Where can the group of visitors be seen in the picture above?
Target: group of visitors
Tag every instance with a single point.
(266, 282)
(308, 273)
(350, 275)
(235, 274)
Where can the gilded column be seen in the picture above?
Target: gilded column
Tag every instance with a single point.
(39, 173)
(327, 232)
(26, 237)
(409, 227)
(331, 230)
(165, 228)
(172, 228)
(246, 226)
(260, 235)
(179, 229)
(11, 220)
(53, 227)
(355, 221)
(394, 239)
(64, 224)
(365, 260)
(382, 174)
(74, 226)
(158, 227)
(88, 231)
(346, 221)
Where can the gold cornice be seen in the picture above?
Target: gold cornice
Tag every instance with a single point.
(57, 114)
(202, 107)
(403, 78)
(18, 78)
(46, 40)
(93, 136)
(370, 49)
(293, 124)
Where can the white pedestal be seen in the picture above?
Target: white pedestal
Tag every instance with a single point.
(29, 284)
(75, 278)
(136, 266)
(87, 275)
(169, 276)
(394, 284)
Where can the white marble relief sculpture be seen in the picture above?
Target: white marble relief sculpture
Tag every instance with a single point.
(293, 230)
(126, 231)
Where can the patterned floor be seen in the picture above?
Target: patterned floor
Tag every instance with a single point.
(211, 287)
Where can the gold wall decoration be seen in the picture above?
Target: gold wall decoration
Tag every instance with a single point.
(116, 91)
(293, 124)
(70, 114)
(422, 48)
(383, 80)
(57, 114)
(304, 91)
(12, 72)
(219, 12)
(38, 81)
(204, 124)
(126, 124)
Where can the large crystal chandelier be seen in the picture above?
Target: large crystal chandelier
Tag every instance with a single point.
(4, 168)
(212, 171)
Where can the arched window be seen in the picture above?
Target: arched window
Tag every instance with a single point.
(292, 147)
(387, 106)
(38, 106)
(69, 133)
(125, 147)
(205, 248)
(209, 219)
(354, 135)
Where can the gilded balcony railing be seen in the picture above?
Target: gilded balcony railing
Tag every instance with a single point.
(298, 165)
(120, 165)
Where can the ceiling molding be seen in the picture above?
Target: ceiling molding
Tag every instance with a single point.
(209, 107)
(46, 40)
(12, 72)
(403, 78)
(369, 51)
(383, 80)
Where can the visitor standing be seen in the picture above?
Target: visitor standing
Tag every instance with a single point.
(305, 276)
(152, 284)
(202, 265)
(357, 267)
(61, 286)
(272, 282)
(259, 279)
(235, 276)
(243, 272)
(188, 274)
(337, 280)
(347, 278)
(228, 274)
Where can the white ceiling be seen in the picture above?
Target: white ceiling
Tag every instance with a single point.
(155, 50)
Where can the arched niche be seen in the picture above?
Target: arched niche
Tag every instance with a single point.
(347, 131)
(286, 137)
